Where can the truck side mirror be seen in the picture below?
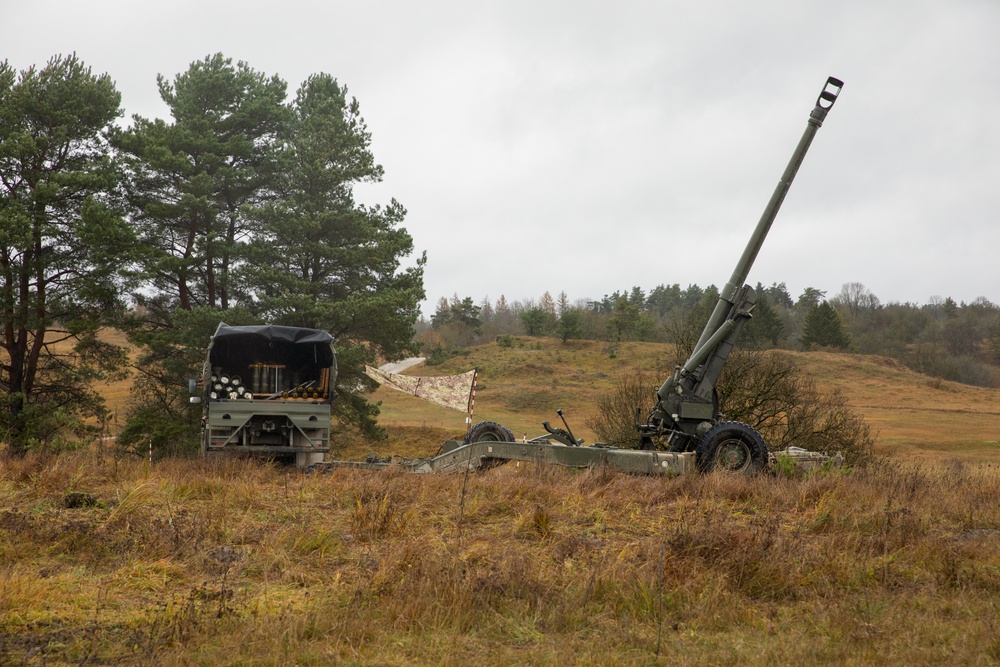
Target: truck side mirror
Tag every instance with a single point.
(193, 390)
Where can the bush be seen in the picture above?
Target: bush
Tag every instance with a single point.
(965, 369)
(437, 356)
(761, 388)
(628, 402)
(169, 433)
(766, 390)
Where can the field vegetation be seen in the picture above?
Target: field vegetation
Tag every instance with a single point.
(107, 558)
(110, 561)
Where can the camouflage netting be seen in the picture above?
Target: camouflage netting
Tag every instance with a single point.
(450, 391)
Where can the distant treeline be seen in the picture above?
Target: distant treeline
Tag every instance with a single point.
(944, 339)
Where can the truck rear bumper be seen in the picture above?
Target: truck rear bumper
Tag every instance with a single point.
(267, 427)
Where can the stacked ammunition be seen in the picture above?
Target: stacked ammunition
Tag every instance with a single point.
(324, 382)
(267, 378)
(308, 391)
(225, 386)
(268, 381)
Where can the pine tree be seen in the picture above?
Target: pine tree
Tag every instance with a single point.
(64, 247)
(534, 320)
(323, 261)
(765, 328)
(569, 325)
(824, 327)
(562, 305)
(194, 181)
(503, 315)
(442, 315)
(623, 319)
(548, 304)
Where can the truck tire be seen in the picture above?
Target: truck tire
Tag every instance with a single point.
(732, 447)
(489, 432)
(308, 460)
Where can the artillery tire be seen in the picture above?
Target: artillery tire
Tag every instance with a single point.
(732, 447)
(489, 432)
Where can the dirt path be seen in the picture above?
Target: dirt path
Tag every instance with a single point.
(400, 366)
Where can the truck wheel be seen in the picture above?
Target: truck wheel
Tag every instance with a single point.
(489, 432)
(732, 447)
(308, 460)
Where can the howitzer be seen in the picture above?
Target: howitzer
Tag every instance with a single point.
(686, 413)
(687, 410)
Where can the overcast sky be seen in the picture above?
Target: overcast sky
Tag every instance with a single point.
(592, 146)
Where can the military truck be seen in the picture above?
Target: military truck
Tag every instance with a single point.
(267, 392)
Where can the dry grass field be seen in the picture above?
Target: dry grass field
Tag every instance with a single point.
(914, 415)
(109, 560)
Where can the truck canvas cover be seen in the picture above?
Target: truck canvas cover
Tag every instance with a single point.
(241, 346)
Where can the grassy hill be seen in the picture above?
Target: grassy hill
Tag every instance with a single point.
(915, 416)
(521, 386)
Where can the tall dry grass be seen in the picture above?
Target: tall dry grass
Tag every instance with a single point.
(240, 562)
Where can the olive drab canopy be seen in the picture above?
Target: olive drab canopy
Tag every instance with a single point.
(240, 347)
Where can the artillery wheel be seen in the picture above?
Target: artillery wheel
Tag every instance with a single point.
(489, 432)
(732, 447)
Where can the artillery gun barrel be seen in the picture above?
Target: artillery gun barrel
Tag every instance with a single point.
(726, 298)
